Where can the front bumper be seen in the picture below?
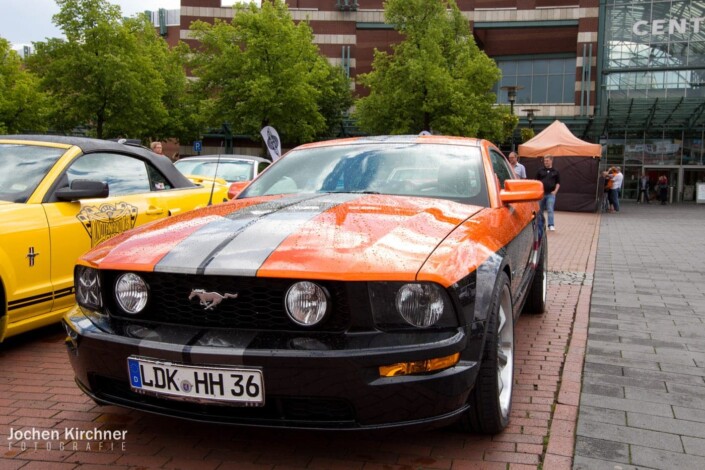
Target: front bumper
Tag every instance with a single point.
(312, 381)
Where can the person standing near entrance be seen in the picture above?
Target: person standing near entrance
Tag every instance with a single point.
(551, 180)
(644, 185)
(605, 183)
(519, 169)
(662, 187)
(617, 179)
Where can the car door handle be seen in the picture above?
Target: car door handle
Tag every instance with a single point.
(154, 210)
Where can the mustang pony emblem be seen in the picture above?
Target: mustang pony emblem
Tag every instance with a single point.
(209, 299)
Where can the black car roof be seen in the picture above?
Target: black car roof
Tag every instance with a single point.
(86, 144)
(89, 145)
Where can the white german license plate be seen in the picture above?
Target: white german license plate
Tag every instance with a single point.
(243, 387)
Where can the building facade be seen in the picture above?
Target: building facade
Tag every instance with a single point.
(627, 74)
(652, 100)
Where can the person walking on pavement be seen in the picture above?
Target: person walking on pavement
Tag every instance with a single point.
(662, 187)
(551, 180)
(617, 179)
(519, 169)
(644, 185)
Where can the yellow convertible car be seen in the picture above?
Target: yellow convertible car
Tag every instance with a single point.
(60, 196)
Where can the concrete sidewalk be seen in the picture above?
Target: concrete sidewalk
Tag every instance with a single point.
(642, 403)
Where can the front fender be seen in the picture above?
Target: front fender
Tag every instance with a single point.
(4, 275)
(8, 279)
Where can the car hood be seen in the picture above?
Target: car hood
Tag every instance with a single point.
(329, 236)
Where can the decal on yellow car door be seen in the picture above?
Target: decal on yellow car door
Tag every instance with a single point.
(107, 220)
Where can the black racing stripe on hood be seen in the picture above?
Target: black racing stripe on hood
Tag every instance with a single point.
(197, 252)
(194, 252)
(246, 253)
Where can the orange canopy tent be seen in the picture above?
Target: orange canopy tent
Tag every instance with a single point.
(576, 160)
(557, 140)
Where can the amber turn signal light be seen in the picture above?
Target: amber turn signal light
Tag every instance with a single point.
(419, 367)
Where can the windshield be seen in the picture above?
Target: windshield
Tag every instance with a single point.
(410, 169)
(230, 171)
(22, 168)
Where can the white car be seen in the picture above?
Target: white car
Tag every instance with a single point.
(231, 168)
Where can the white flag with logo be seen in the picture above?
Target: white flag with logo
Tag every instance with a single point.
(271, 139)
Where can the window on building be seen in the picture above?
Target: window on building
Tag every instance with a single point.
(543, 80)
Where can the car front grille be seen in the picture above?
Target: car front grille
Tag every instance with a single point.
(259, 303)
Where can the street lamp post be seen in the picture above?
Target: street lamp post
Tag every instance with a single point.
(530, 114)
(511, 97)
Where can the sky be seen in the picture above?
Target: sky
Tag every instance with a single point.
(26, 21)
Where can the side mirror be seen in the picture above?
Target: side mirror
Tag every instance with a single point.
(236, 188)
(521, 191)
(83, 189)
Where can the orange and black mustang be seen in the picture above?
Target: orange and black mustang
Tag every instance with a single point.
(354, 284)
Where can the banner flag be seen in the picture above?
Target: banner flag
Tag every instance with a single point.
(271, 138)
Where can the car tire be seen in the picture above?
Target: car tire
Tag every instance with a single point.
(491, 398)
(536, 298)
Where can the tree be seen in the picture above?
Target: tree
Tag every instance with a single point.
(335, 101)
(109, 73)
(526, 134)
(181, 109)
(22, 104)
(263, 69)
(436, 79)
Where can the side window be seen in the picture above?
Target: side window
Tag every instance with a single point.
(261, 166)
(157, 180)
(124, 175)
(501, 167)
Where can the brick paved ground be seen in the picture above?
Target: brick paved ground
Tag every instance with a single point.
(37, 391)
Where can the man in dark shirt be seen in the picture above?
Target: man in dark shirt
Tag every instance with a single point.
(551, 183)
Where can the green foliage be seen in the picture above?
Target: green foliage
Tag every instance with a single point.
(436, 79)
(22, 104)
(263, 69)
(179, 105)
(336, 98)
(526, 134)
(509, 122)
(114, 76)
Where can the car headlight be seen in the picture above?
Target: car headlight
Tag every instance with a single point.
(306, 303)
(131, 293)
(87, 282)
(420, 304)
(411, 304)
